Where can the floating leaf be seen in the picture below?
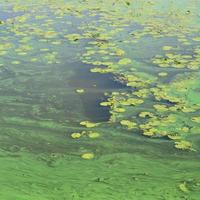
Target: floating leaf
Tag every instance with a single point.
(167, 48)
(76, 135)
(183, 187)
(93, 134)
(184, 145)
(128, 124)
(88, 124)
(88, 156)
(80, 91)
(124, 61)
(196, 119)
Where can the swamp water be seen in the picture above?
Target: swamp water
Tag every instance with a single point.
(99, 99)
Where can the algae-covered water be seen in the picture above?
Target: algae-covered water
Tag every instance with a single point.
(99, 99)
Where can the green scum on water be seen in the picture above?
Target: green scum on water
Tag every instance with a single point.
(99, 99)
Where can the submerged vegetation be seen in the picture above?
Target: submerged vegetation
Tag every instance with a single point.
(51, 148)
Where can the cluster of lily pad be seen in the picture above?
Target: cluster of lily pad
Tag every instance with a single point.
(90, 134)
(152, 47)
(178, 60)
(156, 102)
(153, 107)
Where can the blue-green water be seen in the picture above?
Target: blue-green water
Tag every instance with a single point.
(144, 144)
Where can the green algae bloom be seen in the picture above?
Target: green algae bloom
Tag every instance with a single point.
(136, 122)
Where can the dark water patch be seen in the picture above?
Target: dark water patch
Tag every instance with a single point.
(95, 86)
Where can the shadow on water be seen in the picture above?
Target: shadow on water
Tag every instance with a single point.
(95, 86)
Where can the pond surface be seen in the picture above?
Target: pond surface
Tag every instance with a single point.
(99, 99)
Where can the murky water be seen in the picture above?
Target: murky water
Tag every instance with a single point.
(95, 86)
(69, 133)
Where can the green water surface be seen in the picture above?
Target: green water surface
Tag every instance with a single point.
(51, 49)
